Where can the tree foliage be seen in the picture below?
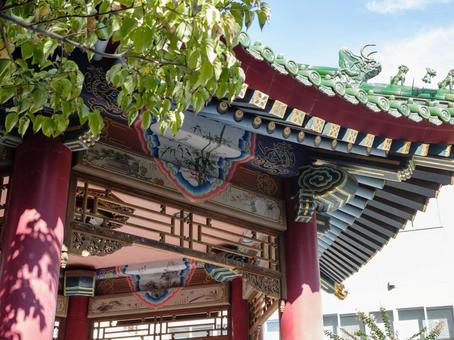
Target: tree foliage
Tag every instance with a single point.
(170, 55)
(376, 333)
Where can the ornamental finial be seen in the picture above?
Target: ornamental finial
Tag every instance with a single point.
(448, 82)
(399, 78)
(430, 73)
(357, 68)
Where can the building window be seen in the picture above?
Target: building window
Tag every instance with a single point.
(411, 321)
(379, 320)
(272, 326)
(330, 323)
(350, 323)
(444, 315)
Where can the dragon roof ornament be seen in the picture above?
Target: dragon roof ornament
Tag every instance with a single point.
(357, 69)
(350, 81)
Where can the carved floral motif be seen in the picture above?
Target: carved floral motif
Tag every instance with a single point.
(266, 285)
(91, 245)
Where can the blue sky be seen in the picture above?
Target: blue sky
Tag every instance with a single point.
(417, 33)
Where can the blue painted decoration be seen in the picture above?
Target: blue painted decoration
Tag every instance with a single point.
(202, 157)
(153, 283)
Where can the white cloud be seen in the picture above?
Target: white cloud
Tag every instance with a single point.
(392, 6)
(431, 48)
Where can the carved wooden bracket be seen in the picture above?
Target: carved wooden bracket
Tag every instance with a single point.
(263, 284)
(89, 245)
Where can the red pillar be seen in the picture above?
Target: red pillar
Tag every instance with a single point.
(77, 323)
(240, 311)
(302, 316)
(32, 239)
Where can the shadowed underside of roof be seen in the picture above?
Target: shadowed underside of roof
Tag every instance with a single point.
(376, 214)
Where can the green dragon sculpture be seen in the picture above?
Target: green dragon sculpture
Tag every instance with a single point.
(357, 69)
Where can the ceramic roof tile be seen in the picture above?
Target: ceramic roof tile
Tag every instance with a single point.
(350, 82)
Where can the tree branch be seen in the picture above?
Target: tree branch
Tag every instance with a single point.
(86, 15)
(4, 8)
(7, 46)
(36, 29)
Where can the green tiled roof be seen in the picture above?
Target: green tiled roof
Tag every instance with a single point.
(417, 104)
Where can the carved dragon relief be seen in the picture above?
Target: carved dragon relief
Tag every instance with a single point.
(357, 69)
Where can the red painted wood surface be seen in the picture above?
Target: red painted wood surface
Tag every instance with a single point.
(77, 322)
(32, 239)
(240, 312)
(302, 316)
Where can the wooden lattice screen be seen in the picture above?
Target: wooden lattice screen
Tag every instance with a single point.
(124, 217)
(210, 324)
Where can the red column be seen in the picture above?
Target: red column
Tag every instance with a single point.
(240, 311)
(302, 316)
(32, 239)
(77, 323)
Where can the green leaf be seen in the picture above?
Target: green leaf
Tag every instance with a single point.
(217, 68)
(24, 122)
(37, 123)
(104, 7)
(206, 72)
(114, 75)
(60, 122)
(264, 14)
(6, 68)
(173, 57)
(47, 126)
(132, 117)
(142, 38)
(6, 94)
(11, 121)
(95, 122)
(149, 82)
(27, 50)
(210, 51)
(128, 85)
(198, 101)
(193, 59)
(39, 99)
(127, 26)
(49, 47)
(221, 90)
(146, 119)
(166, 105)
(261, 16)
(83, 113)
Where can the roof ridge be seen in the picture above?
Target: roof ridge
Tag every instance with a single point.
(417, 104)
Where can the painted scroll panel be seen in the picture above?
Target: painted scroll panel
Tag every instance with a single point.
(235, 200)
(201, 158)
(189, 297)
(155, 283)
